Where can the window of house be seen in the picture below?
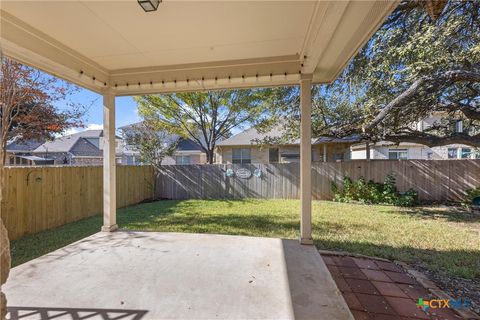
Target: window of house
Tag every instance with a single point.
(458, 126)
(130, 159)
(452, 153)
(398, 154)
(273, 155)
(290, 157)
(465, 153)
(182, 160)
(338, 156)
(241, 156)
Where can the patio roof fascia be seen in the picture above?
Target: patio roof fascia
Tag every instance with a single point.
(328, 24)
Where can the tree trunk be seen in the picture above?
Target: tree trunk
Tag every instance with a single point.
(3, 154)
(210, 156)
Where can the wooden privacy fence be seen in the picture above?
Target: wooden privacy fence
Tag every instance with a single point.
(434, 180)
(40, 198)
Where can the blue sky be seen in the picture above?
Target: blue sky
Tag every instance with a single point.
(126, 110)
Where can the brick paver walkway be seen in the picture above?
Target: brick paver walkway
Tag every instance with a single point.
(380, 290)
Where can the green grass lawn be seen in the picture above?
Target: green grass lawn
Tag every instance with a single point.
(440, 239)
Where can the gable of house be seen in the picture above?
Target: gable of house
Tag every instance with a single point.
(84, 148)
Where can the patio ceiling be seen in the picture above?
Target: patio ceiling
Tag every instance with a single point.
(188, 45)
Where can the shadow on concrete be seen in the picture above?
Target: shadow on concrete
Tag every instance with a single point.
(15, 313)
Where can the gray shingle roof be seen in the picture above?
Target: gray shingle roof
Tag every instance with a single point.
(249, 137)
(83, 147)
(184, 144)
(24, 146)
(65, 144)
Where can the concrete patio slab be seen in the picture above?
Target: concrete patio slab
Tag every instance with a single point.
(149, 275)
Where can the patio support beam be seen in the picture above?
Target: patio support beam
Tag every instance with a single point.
(325, 152)
(109, 173)
(306, 158)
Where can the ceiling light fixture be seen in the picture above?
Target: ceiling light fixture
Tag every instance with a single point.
(149, 5)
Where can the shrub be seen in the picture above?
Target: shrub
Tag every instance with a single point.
(471, 194)
(373, 192)
(407, 199)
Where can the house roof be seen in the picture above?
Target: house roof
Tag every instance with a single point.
(251, 136)
(184, 144)
(66, 143)
(348, 139)
(188, 145)
(83, 147)
(24, 146)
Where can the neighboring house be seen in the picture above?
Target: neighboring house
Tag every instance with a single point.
(82, 148)
(409, 151)
(246, 147)
(405, 151)
(19, 153)
(187, 151)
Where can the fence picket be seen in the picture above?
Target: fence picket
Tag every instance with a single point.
(435, 180)
(40, 198)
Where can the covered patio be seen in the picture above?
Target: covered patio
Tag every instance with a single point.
(114, 48)
(135, 275)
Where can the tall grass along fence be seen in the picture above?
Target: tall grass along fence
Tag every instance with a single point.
(434, 180)
(40, 198)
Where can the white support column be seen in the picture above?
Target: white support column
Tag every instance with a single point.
(109, 181)
(306, 159)
(325, 152)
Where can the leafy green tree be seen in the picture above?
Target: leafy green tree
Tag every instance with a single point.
(205, 117)
(152, 145)
(412, 68)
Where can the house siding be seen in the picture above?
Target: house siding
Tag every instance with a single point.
(261, 154)
(414, 152)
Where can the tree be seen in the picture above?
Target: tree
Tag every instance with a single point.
(153, 145)
(26, 100)
(204, 117)
(412, 68)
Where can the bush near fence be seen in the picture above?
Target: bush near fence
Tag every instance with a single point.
(40, 198)
(434, 180)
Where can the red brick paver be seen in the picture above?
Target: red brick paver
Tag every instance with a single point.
(376, 275)
(381, 290)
